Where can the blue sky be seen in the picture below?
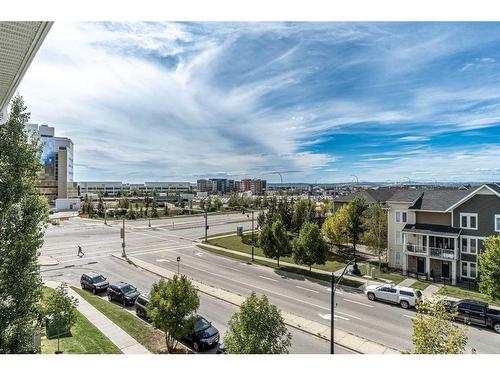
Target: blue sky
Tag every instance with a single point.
(322, 101)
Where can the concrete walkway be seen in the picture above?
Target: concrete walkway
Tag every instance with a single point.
(407, 282)
(126, 343)
(343, 338)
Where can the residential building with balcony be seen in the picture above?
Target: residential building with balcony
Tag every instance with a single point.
(439, 233)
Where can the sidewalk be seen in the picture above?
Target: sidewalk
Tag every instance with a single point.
(124, 342)
(343, 338)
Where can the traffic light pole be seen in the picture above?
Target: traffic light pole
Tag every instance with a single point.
(124, 254)
(206, 225)
(253, 236)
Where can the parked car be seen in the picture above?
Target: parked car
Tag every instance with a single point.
(475, 312)
(400, 295)
(94, 282)
(140, 307)
(122, 292)
(201, 333)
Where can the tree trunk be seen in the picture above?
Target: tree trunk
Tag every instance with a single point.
(310, 269)
(278, 262)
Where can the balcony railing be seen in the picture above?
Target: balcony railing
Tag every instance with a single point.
(437, 252)
(417, 249)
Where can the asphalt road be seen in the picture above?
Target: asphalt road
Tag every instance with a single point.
(165, 241)
(61, 244)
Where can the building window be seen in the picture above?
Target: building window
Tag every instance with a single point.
(398, 258)
(399, 238)
(497, 223)
(469, 245)
(401, 216)
(469, 270)
(468, 221)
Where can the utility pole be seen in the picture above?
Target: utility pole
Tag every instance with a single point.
(206, 225)
(253, 236)
(105, 209)
(124, 254)
(332, 306)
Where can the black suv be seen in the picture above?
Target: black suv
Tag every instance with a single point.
(94, 282)
(140, 307)
(122, 292)
(201, 333)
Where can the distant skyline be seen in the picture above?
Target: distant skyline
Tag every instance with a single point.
(321, 101)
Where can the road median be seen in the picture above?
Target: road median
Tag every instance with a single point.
(342, 338)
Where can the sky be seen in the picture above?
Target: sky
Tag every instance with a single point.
(320, 102)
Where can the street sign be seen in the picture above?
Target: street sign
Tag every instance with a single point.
(178, 259)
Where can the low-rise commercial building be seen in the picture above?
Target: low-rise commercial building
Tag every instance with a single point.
(114, 188)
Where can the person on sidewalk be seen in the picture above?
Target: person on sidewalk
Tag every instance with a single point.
(80, 252)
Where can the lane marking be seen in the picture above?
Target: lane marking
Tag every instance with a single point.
(309, 290)
(356, 302)
(268, 278)
(409, 316)
(199, 254)
(161, 260)
(335, 317)
(336, 291)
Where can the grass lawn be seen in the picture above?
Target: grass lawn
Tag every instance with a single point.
(453, 291)
(420, 285)
(85, 339)
(144, 333)
(272, 264)
(237, 243)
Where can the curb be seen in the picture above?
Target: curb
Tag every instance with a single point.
(347, 340)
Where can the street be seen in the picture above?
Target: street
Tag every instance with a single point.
(167, 239)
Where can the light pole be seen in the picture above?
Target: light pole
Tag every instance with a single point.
(124, 254)
(105, 209)
(253, 236)
(332, 305)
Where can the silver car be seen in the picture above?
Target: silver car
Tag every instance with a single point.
(400, 295)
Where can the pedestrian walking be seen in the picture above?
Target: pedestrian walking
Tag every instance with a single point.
(80, 251)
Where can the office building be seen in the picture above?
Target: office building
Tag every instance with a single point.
(56, 177)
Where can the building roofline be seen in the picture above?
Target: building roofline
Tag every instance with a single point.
(469, 196)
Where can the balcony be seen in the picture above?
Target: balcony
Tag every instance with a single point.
(416, 249)
(447, 254)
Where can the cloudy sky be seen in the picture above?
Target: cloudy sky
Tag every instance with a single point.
(320, 101)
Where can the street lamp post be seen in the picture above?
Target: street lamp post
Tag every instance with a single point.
(253, 236)
(206, 225)
(105, 209)
(124, 254)
(332, 305)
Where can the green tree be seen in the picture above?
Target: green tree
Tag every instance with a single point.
(274, 241)
(310, 247)
(131, 214)
(171, 302)
(233, 201)
(141, 213)
(23, 214)
(355, 224)
(326, 208)
(258, 328)
(304, 211)
(434, 331)
(217, 204)
(335, 227)
(375, 224)
(489, 268)
(60, 311)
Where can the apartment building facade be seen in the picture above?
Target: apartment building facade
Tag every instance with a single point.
(440, 233)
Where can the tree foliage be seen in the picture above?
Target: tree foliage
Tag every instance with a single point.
(171, 302)
(60, 311)
(310, 247)
(335, 228)
(22, 216)
(434, 331)
(375, 225)
(489, 268)
(274, 241)
(304, 211)
(355, 223)
(258, 328)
